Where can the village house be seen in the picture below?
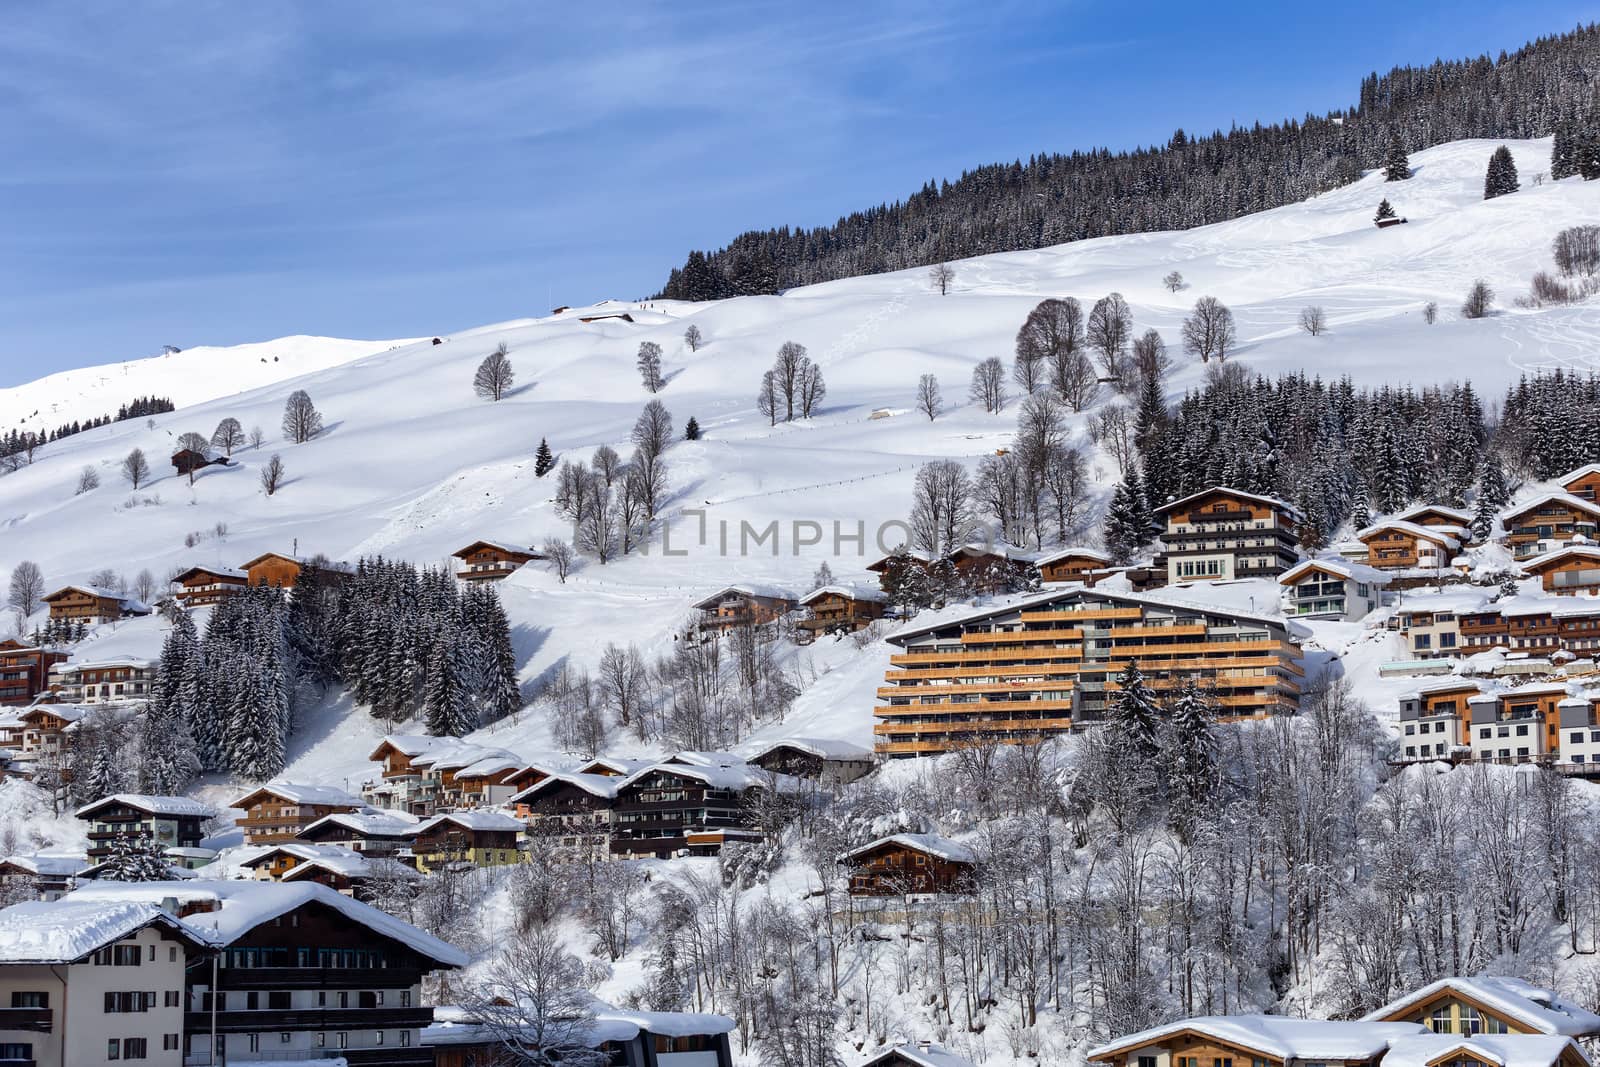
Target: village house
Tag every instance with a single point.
(1520, 725)
(1331, 589)
(1430, 623)
(839, 609)
(631, 1038)
(1452, 520)
(621, 766)
(570, 811)
(49, 877)
(918, 1054)
(274, 862)
(88, 604)
(24, 671)
(1572, 569)
(527, 776)
(345, 872)
(188, 460)
(1580, 734)
(478, 838)
(172, 822)
(1540, 526)
(443, 788)
(276, 813)
(1033, 668)
(677, 808)
(103, 681)
(45, 728)
(1073, 565)
(1583, 483)
(907, 865)
(828, 762)
(1489, 1004)
(399, 783)
(489, 561)
(1398, 545)
(1257, 1040)
(1435, 720)
(276, 569)
(372, 834)
(982, 569)
(1222, 534)
(735, 606)
(203, 586)
(89, 982)
(305, 973)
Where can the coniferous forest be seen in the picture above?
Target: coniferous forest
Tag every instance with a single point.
(1546, 87)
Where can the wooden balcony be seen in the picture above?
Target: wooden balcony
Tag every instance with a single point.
(1070, 617)
(31, 1020)
(896, 711)
(976, 726)
(1029, 636)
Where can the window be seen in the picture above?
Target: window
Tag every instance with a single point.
(173, 998)
(169, 1042)
(278, 1000)
(135, 1048)
(119, 1003)
(405, 998)
(113, 1049)
(30, 999)
(344, 1039)
(285, 1037)
(377, 1037)
(405, 1038)
(255, 1042)
(1471, 1023)
(16, 1050)
(1440, 1022)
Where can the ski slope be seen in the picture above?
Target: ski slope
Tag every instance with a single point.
(413, 465)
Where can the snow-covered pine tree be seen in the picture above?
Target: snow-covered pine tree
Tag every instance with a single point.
(1192, 763)
(1563, 154)
(1396, 164)
(1127, 520)
(691, 429)
(1134, 717)
(544, 460)
(446, 704)
(1385, 211)
(1492, 496)
(1500, 178)
(135, 858)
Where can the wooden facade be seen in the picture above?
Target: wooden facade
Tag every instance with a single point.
(82, 603)
(489, 561)
(1222, 534)
(1583, 483)
(740, 605)
(840, 609)
(570, 812)
(1032, 670)
(173, 822)
(25, 671)
(657, 809)
(907, 865)
(1550, 522)
(275, 814)
(1567, 571)
(103, 682)
(273, 569)
(1397, 545)
(1073, 565)
(479, 838)
(202, 586)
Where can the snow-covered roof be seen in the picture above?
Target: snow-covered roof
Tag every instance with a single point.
(1065, 553)
(219, 572)
(1344, 568)
(600, 785)
(48, 866)
(241, 906)
(1222, 490)
(1462, 518)
(503, 546)
(1577, 503)
(298, 793)
(151, 805)
(491, 765)
(1524, 1003)
(66, 930)
(825, 748)
(744, 589)
(921, 1053)
(736, 777)
(371, 824)
(455, 1027)
(343, 862)
(848, 590)
(474, 820)
(254, 855)
(1439, 535)
(704, 758)
(1569, 551)
(668, 1023)
(620, 764)
(1506, 1050)
(1276, 1036)
(407, 744)
(90, 590)
(931, 844)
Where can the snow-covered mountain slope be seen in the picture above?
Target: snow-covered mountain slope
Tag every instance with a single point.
(189, 377)
(414, 465)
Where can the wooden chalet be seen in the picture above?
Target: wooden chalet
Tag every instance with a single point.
(1583, 483)
(274, 862)
(823, 760)
(25, 671)
(908, 864)
(490, 561)
(86, 603)
(275, 814)
(202, 586)
(1437, 515)
(384, 834)
(918, 1054)
(984, 569)
(1489, 1004)
(188, 460)
(107, 681)
(743, 605)
(1552, 521)
(49, 877)
(674, 809)
(172, 822)
(487, 782)
(840, 609)
(344, 874)
(614, 766)
(1073, 565)
(1220, 534)
(45, 726)
(1397, 544)
(1331, 588)
(276, 569)
(399, 783)
(527, 776)
(570, 811)
(1255, 1040)
(477, 838)
(632, 1038)
(1567, 571)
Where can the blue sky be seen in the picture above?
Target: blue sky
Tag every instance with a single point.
(193, 173)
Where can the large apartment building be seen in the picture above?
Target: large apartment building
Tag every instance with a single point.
(1224, 533)
(1034, 668)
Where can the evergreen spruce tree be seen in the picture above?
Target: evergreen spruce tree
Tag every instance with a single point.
(135, 858)
(1563, 156)
(447, 706)
(1385, 211)
(1396, 164)
(544, 461)
(691, 429)
(1135, 717)
(102, 778)
(1501, 177)
(1492, 496)
(1192, 762)
(1126, 525)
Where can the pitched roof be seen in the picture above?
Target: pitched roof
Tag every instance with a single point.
(1223, 490)
(474, 820)
(1523, 1002)
(745, 589)
(67, 930)
(88, 590)
(848, 590)
(218, 572)
(1579, 472)
(604, 786)
(1556, 556)
(931, 844)
(1439, 535)
(1342, 567)
(921, 1053)
(503, 546)
(1067, 553)
(825, 748)
(296, 793)
(40, 864)
(1567, 499)
(1462, 517)
(369, 824)
(407, 744)
(1505, 1050)
(240, 906)
(1276, 1036)
(151, 805)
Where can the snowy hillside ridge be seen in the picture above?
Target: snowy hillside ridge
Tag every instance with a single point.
(189, 376)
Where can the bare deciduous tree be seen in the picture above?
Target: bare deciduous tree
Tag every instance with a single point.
(649, 364)
(494, 376)
(1313, 320)
(606, 464)
(88, 478)
(1074, 379)
(1173, 281)
(693, 337)
(228, 435)
(1112, 429)
(256, 436)
(560, 555)
(1051, 334)
(135, 468)
(272, 474)
(1209, 330)
(301, 419)
(929, 400)
(1480, 299)
(144, 586)
(989, 385)
(1430, 312)
(1109, 328)
(26, 590)
(941, 514)
(1150, 359)
(941, 275)
(530, 998)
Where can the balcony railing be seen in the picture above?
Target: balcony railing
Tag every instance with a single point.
(34, 1020)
